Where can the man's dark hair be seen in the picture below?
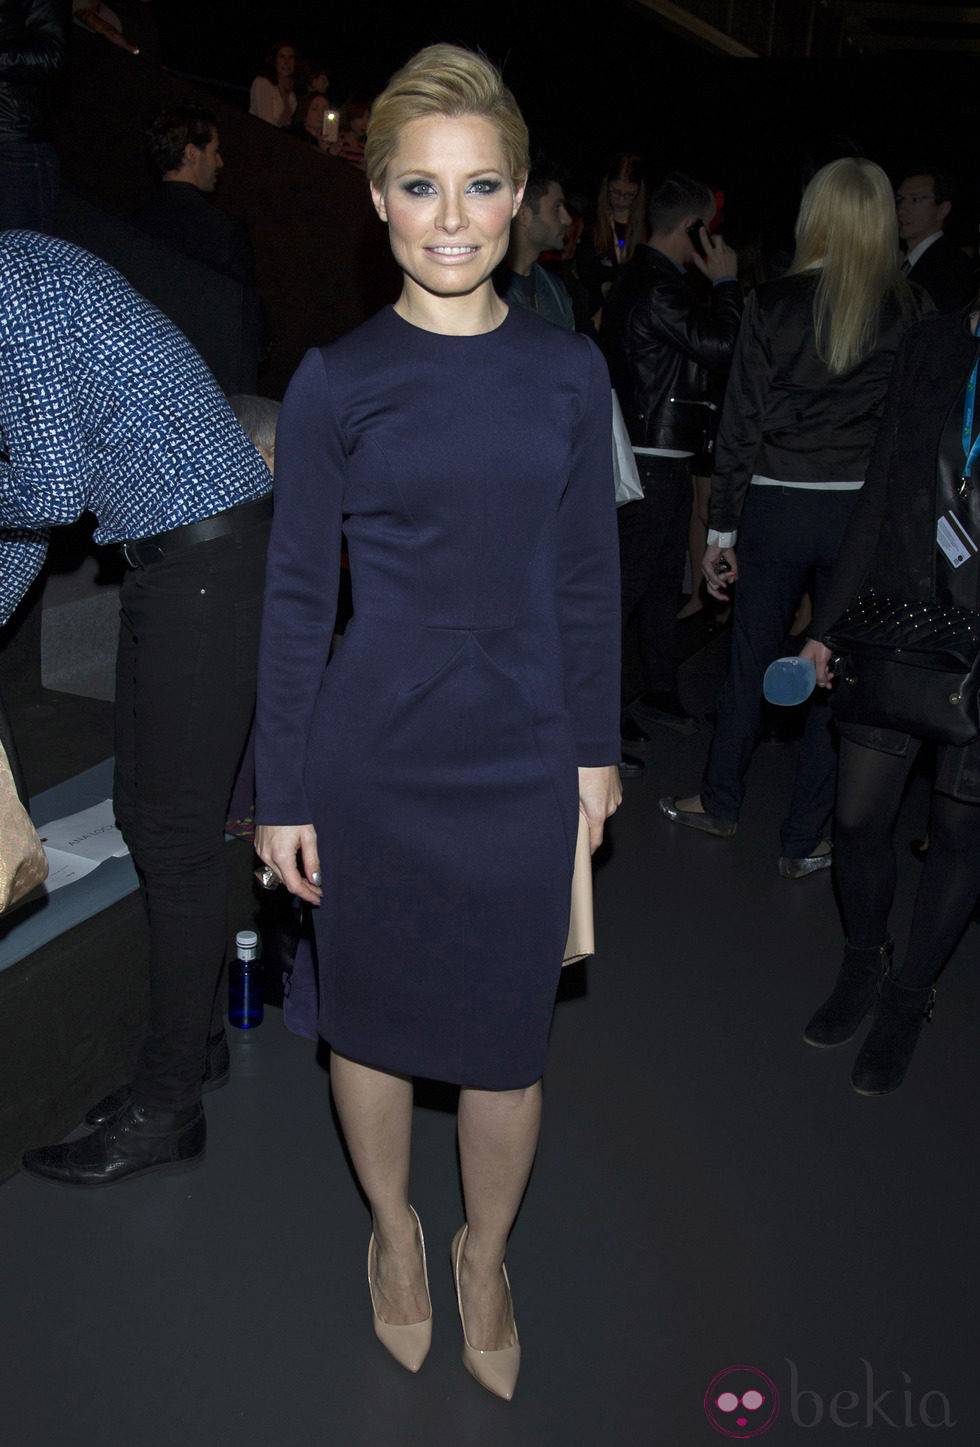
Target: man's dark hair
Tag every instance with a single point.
(943, 184)
(542, 175)
(677, 196)
(173, 129)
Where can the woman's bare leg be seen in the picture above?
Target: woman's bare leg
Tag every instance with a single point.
(375, 1110)
(498, 1136)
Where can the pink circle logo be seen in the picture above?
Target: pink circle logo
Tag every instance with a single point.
(741, 1402)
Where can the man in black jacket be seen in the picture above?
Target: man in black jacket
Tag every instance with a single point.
(184, 148)
(923, 203)
(667, 356)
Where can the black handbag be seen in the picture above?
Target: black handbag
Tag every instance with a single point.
(914, 667)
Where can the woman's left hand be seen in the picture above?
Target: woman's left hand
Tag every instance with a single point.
(600, 793)
(819, 655)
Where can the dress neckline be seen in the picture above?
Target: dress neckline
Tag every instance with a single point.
(453, 336)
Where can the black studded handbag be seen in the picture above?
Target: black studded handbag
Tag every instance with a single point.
(913, 667)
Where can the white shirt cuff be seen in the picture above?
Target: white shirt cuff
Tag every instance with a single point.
(724, 540)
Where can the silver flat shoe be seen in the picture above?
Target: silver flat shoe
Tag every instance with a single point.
(706, 823)
(809, 864)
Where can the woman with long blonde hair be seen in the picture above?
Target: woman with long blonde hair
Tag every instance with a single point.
(805, 395)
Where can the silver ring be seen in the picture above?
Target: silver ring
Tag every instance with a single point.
(267, 877)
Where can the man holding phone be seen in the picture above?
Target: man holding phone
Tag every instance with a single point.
(667, 355)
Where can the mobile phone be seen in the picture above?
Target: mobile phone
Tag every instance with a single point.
(328, 128)
(694, 236)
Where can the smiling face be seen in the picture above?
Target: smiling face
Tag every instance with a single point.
(285, 62)
(448, 199)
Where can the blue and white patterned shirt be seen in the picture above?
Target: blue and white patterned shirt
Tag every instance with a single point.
(104, 406)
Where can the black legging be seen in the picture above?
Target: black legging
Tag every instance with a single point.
(869, 792)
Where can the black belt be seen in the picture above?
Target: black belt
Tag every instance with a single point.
(141, 551)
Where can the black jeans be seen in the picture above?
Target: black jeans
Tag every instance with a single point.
(185, 693)
(29, 185)
(788, 541)
(653, 537)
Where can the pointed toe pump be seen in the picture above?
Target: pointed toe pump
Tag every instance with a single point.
(496, 1371)
(409, 1345)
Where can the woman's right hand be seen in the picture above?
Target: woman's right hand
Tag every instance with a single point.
(819, 655)
(718, 577)
(280, 845)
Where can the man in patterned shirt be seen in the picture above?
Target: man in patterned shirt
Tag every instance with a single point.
(106, 407)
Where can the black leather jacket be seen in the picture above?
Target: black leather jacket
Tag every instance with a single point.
(785, 415)
(667, 355)
(33, 55)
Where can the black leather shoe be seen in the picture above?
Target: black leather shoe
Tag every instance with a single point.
(630, 767)
(137, 1142)
(695, 819)
(217, 1069)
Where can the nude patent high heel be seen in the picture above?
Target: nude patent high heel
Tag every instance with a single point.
(409, 1345)
(497, 1371)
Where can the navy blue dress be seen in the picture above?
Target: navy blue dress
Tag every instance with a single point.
(437, 753)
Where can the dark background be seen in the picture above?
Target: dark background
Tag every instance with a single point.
(610, 76)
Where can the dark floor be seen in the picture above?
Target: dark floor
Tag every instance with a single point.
(709, 1193)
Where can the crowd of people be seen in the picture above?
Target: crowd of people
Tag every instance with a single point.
(422, 787)
(293, 93)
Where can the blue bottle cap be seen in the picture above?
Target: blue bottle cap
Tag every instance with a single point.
(789, 681)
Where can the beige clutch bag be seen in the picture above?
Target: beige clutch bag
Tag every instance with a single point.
(22, 860)
(581, 923)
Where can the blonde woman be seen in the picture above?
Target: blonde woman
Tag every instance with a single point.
(806, 392)
(423, 789)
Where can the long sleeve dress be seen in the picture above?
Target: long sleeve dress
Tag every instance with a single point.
(437, 753)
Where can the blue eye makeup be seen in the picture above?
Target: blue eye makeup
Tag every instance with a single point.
(483, 186)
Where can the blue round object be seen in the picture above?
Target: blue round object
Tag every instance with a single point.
(789, 681)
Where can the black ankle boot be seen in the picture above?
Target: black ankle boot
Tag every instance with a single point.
(852, 996)
(217, 1069)
(894, 1033)
(137, 1141)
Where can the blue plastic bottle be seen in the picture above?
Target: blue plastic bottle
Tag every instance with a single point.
(245, 982)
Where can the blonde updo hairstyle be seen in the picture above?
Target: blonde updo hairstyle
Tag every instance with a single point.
(444, 80)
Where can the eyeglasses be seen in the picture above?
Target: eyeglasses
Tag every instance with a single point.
(912, 200)
(624, 193)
